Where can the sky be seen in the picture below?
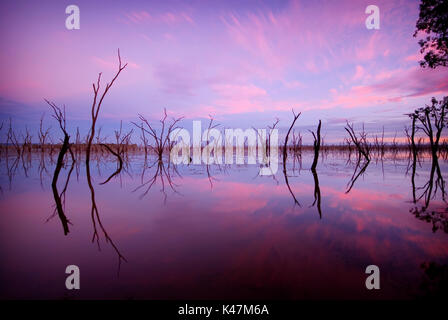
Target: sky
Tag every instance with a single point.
(245, 63)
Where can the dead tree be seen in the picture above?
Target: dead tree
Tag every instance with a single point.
(161, 140)
(144, 140)
(78, 141)
(265, 141)
(121, 142)
(432, 121)
(297, 149)
(96, 105)
(285, 145)
(42, 134)
(59, 115)
(379, 145)
(27, 142)
(98, 99)
(394, 143)
(414, 151)
(296, 141)
(383, 145)
(98, 138)
(316, 144)
(26, 151)
(269, 136)
(207, 164)
(11, 138)
(361, 143)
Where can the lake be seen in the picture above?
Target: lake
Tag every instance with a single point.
(220, 232)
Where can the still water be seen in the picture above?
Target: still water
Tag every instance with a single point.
(198, 232)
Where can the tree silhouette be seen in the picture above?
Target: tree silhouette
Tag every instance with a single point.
(432, 120)
(433, 21)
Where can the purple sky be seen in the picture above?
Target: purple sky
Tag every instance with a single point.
(244, 62)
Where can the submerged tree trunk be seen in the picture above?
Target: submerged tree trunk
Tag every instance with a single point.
(57, 197)
(317, 141)
(285, 145)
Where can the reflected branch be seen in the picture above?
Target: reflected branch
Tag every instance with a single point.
(429, 190)
(96, 106)
(316, 147)
(285, 151)
(59, 115)
(95, 216)
(120, 163)
(317, 195)
(357, 174)
(163, 174)
(438, 219)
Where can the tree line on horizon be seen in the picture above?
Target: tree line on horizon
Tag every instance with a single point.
(424, 133)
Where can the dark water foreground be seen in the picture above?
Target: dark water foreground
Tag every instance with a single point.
(225, 232)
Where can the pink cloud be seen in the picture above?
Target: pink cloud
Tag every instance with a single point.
(238, 91)
(414, 82)
(370, 48)
(139, 17)
(389, 86)
(359, 74)
(294, 84)
(414, 57)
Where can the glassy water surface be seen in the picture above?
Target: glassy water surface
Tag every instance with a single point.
(224, 232)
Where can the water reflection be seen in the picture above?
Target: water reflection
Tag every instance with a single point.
(359, 170)
(429, 191)
(241, 238)
(59, 198)
(317, 195)
(434, 284)
(162, 174)
(96, 220)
